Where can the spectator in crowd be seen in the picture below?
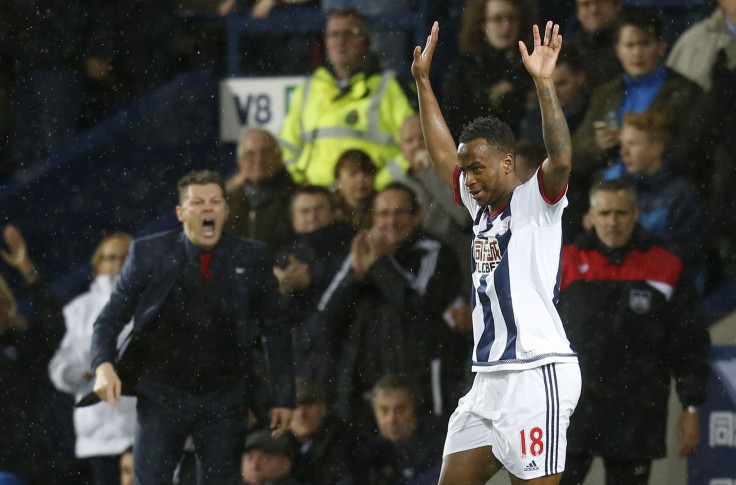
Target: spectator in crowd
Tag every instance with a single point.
(305, 270)
(102, 434)
(632, 314)
(596, 39)
(695, 52)
(325, 447)
(354, 178)
(259, 193)
(706, 54)
(349, 103)
(127, 474)
(389, 46)
(668, 204)
(26, 345)
(66, 47)
(189, 379)
(645, 84)
(406, 447)
(442, 218)
(487, 78)
(570, 83)
(268, 460)
(385, 307)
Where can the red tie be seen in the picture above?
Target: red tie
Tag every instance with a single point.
(204, 265)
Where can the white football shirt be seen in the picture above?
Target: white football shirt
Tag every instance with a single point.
(515, 261)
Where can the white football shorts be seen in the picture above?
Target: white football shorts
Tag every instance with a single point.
(522, 414)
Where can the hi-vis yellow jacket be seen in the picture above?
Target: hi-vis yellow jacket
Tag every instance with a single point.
(324, 121)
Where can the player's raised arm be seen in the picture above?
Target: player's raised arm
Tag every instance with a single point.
(540, 64)
(441, 146)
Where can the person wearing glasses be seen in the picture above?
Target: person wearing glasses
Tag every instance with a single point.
(349, 103)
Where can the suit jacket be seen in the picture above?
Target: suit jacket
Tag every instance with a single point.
(146, 280)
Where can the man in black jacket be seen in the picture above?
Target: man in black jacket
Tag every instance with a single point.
(633, 317)
(385, 310)
(194, 295)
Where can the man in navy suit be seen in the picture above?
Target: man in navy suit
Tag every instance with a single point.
(194, 296)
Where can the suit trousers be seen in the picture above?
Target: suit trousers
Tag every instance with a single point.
(166, 416)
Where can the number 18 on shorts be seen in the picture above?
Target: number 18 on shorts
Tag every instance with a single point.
(523, 415)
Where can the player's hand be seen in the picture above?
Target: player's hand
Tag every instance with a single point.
(688, 433)
(107, 384)
(280, 420)
(423, 59)
(541, 63)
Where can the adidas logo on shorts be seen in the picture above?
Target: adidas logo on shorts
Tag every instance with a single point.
(531, 467)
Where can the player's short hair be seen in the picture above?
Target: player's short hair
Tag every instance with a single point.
(645, 19)
(311, 190)
(496, 133)
(615, 185)
(359, 158)
(199, 177)
(395, 382)
(656, 124)
(413, 202)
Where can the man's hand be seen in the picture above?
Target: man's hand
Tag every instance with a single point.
(360, 254)
(293, 277)
(280, 420)
(541, 63)
(17, 253)
(423, 59)
(688, 433)
(107, 384)
(605, 136)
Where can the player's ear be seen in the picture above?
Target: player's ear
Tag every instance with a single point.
(508, 163)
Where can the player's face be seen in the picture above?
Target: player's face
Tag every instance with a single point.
(501, 25)
(613, 215)
(310, 212)
(259, 157)
(639, 52)
(394, 413)
(411, 139)
(639, 152)
(203, 213)
(596, 15)
(113, 254)
(346, 43)
(126, 469)
(307, 419)
(567, 82)
(354, 184)
(393, 217)
(482, 168)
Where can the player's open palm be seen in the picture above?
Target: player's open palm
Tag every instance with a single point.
(423, 58)
(541, 62)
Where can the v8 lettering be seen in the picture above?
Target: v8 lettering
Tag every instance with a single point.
(258, 106)
(537, 445)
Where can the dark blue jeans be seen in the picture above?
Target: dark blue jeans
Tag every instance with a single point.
(216, 420)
